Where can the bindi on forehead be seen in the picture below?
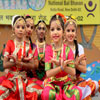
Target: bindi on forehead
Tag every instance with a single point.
(70, 25)
(71, 28)
(42, 25)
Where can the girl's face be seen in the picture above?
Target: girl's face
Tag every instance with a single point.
(56, 31)
(29, 26)
(41, 31)
(70, 32)
(19, 29)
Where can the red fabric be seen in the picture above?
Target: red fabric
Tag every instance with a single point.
(9, 85)
(2, 78)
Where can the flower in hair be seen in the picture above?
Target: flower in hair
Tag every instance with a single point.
(27, 15)
(63, 17)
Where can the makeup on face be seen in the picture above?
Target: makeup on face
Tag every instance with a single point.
(70, 30)
(29, 26)
(19, 29)
(56, 31)
(41, 28)
(41, 31)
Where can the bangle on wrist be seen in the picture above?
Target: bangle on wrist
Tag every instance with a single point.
(62, 68)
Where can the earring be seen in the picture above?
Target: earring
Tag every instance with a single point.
(52, 41)
(75, 37)
(13, 34)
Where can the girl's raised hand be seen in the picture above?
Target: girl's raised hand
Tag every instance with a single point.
(82, 57)
(70, 61)
(26, 59)
(79, 59)
(19, 64)
(66, 62)
(57, 62)
(12, 58)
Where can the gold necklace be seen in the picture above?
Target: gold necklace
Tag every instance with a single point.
(73, 47)
(58, 49)
(41, 45)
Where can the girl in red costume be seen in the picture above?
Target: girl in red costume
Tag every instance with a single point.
(17, 86)
(29, 44)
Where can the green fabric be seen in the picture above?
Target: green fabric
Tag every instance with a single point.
(52, 94)
(1, 61)
(47, 66)
(70, 92)
(67, 51)
(1, 65)
(58, 55)
(40, 74)
(57, 88)
(39, 58)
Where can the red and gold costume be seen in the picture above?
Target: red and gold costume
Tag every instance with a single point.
(17, 86)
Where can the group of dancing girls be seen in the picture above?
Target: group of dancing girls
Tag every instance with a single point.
(38, 71)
